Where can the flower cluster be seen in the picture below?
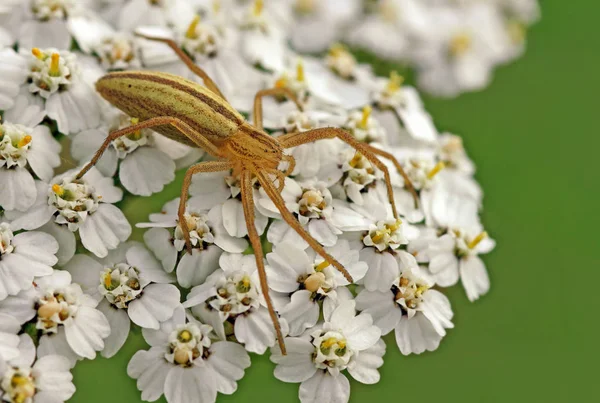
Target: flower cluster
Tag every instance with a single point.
(73, 283)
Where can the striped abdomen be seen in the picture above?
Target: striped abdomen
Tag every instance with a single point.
(143, 95)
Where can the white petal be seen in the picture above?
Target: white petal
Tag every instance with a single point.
(43, 155)
(301, 313)
(85, 145)
(190, 385)
(155, 305)
(436, 307)
(159, 242)
(53, 379)
(416, 335)
(150, 369)
(119, 328)
(297, 365)
(195, 268)
(86, 272)
(383, 269)
(364, 365)
(228, 361)
(323, 232)
(146, 171)
(324, 388)
(74, 110)
(18, 189)
(382, 308)
(104, 230)
(150, 268)
(255, 331)
(86, 333)
(280, 232)
(50, 34)
(57, 344)
(474, 277)
(66, 241)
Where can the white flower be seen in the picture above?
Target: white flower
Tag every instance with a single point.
(461, 49)
(208, 237)
(452, 152)
(388, 31)
(216, 49)
(231, 297)
(309, 280)
(263, 40)
(317, 24)
(49, 82)
(400, 111)
(128, 284)
(23, 257)
(135, 13)
(345, 341)
(25, 379)
(455, 254)
(222, 188)
(339, 79)
(65, 317)
(324, 217)
(185, 365)
(144, 168)
(118, 52)
(83, 205)
(22, 147)
(419, 314)
(56, 23)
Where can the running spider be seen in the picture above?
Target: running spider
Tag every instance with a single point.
(201, 117)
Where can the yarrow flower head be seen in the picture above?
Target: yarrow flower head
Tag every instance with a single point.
(230, 301)
(25, 379)
(345, 341)
(184, 356)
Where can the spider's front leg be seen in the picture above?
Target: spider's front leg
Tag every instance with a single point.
(210, 166)
(367, 150)
(248, 205)
(258, 108)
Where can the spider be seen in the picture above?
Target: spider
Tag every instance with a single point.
(200, 116)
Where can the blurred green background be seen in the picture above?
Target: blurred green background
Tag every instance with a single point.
(533, 338)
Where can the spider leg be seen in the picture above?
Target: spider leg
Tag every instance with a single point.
(364, 149)
(293, 222)
(248, 205)
(210, 84)
(210, 166)
(183, 127)
(399, 168)
(291, 164)
(258, 109)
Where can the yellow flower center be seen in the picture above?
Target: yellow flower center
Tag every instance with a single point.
(460, 44)
(395, 82)
(477, 240)
(59, 190)
(436, 169)
(54, 65)
(185, 336)
(24, 141)
(516, 32)
(258, 7)
(37, 53)
(191, 31)
(366, 114)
